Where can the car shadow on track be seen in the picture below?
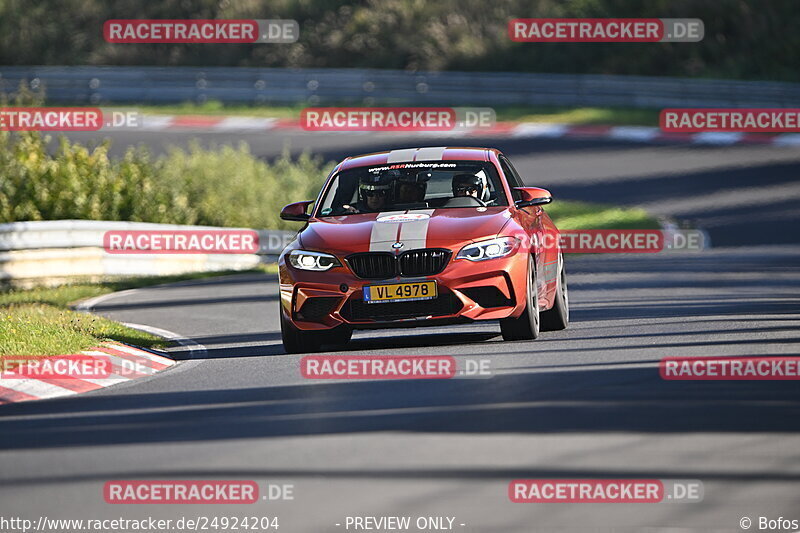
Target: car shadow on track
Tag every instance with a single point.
(419, 339)
(149, 304)
(269, 343)
(615, 397)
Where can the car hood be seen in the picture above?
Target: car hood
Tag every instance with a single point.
(378, 232)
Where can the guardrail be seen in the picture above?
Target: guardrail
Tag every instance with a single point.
(60, 250)
(162, 85)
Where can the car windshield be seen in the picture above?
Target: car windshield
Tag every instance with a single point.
(412, 186)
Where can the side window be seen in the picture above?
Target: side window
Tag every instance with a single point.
(512, 177)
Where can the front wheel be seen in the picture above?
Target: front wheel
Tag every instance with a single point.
(296, 340)
(557, 318)
(526, 326)
(338, 336)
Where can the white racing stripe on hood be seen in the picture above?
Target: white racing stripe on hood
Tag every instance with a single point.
(415, 234)
(383, 234)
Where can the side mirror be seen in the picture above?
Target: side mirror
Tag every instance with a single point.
(296, 211)
(533, 196)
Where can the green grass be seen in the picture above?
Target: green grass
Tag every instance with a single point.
(39, 322)
(583, 215)
(42, 329)
(565, 115)
(581, 115)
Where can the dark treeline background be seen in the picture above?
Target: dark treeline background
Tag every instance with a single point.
(745, 39)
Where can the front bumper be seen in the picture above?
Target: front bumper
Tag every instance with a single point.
(467, 291)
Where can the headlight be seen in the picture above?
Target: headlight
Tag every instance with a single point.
(318, 261)
(491, 249)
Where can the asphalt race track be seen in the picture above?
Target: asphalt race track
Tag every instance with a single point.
(587, 402)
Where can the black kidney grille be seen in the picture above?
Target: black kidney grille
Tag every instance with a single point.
(423, 262)
(383, 265)
(379, 265)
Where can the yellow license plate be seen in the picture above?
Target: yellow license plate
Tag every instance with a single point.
(400, 292)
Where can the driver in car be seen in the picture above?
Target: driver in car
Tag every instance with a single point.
(373, 192)
(470, 185)
(411, 188)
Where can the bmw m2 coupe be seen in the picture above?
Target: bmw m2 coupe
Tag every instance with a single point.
(418, 237)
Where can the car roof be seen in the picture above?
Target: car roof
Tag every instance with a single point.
(427, 153)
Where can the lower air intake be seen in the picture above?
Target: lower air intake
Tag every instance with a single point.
(359, 311)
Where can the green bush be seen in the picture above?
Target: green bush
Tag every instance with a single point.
(220, 186)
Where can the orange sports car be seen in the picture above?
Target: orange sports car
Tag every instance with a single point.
(419, 237)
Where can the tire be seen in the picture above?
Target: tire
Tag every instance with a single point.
(296, 340)
(557, 318)
(338, 336)
(526, 327)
